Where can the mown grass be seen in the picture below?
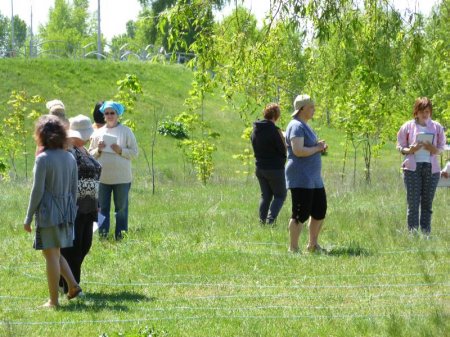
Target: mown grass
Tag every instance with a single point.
(196, 263)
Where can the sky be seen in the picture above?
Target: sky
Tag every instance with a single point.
(116, 13)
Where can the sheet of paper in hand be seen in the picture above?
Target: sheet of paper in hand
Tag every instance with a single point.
(99, 222)
(445, 182)
(424, 137)
(109, 140)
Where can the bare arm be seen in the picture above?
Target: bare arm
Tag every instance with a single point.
(300, 150)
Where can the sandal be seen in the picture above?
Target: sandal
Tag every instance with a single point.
(74, 292)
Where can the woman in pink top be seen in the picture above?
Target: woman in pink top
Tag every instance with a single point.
(421, 169)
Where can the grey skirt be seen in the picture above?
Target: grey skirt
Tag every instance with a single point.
(60, 236)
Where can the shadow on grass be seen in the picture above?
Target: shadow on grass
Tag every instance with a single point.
(351, 250)
(106, 301)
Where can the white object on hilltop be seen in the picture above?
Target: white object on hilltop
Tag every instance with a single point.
(54, 102)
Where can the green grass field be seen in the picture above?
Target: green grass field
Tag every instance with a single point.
(195, 261)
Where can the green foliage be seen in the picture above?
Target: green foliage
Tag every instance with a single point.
(247, 160)
(128, 91)
(246, 157)
(146, 29)
(173, 128)
(365, 76)
(20, 34)
(15, 129)
(67, 28)
(199, 154)
(209, 269)
(263, 66)
(191, 28)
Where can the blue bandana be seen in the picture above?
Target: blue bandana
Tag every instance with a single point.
(117, 107)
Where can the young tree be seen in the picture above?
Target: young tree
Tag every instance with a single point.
(67, 28)
(20, 35)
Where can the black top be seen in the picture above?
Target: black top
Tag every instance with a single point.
(88, 181)
(268, 145)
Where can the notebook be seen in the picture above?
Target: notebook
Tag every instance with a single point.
(109, 140)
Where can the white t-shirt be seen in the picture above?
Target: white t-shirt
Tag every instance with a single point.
(422, 155)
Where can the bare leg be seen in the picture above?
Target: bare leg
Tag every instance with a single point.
(314, 230)
(67, 273)
(295, 228)
(53, 271)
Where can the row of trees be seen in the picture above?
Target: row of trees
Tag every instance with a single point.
(12, 34)
(364, 62)
(70, 27)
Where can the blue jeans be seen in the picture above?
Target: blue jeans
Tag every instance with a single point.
(120, 195)
(273, 194)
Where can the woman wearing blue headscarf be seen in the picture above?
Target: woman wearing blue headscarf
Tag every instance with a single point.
(114, 145)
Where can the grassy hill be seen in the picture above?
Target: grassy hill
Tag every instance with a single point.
(80, 84)
(196, 262)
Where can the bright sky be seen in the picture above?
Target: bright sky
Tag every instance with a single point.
(116, 13)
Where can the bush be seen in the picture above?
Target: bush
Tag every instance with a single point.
(173, 129)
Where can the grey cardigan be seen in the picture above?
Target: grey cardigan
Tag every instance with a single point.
(54, 192)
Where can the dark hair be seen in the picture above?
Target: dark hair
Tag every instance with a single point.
(272, 111)
(50, 132)
(99, 118)
(421, 104)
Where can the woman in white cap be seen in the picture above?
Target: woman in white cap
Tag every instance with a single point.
(303, 175)
(80, 130)
(114, 145)
(56, 108)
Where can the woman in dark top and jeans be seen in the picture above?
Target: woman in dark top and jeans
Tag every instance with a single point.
(270, 153)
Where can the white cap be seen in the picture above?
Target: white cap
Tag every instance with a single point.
(299, 102)
(80, 127)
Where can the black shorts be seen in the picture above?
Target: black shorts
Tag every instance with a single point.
(308, 202)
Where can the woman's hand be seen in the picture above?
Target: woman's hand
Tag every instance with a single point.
(116, 148)
(430, 147)
(27, 227)
(414, 148)
(101, 146)
(322, 146)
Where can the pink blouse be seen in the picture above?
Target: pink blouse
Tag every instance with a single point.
(406, 136)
